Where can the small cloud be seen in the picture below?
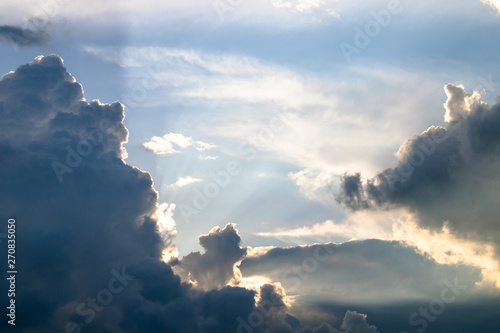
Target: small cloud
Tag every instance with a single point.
(306, 6)
(165, 145)
(183, 181)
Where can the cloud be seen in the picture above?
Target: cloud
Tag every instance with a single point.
(356, 323)
(224, 78)
(322, 272)
(98, 227)
(300, 108)
(99, 224)
(495, 4)
(184, 181)
(318, 7)
(23, 37)
(445, 175)
(353, 322)
(316, 184)
(215, 267)
(95, 217)
(165, 145)
(356, 226)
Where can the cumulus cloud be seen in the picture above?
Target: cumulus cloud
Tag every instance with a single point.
(215, 267)
(94, 217)
(445, 175)
(98, 228)
(356, 323)
(165, 144)
(22, 37)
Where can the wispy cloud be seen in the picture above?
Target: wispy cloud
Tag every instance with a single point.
(222, 78)
(209, 157)
(317, 105)
(183, 181)
(358, 225)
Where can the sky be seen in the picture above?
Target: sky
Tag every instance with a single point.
(309, 166)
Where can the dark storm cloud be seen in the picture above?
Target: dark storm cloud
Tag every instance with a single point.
(214, 268)
(444, 174)
(88, 245)
(23, 37)
(80, 238)
(71, 234)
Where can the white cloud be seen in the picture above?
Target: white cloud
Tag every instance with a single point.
(165, 144)
(495, 4)
(224, 79)
(316, 184)
(202, 146)
(183, 181)
(359, 225)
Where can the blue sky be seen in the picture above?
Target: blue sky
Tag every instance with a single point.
(255, 113)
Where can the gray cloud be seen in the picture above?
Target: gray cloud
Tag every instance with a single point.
(23, 37)
(387, 280)
(445, 174)
(356, 323)
(395, 271)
